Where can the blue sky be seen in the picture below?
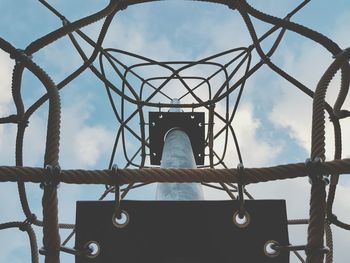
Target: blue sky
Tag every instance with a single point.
(273, 121)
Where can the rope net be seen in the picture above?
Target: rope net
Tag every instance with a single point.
(133, 89)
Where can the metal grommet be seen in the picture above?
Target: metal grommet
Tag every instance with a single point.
(241, 222)
(269, 251)
(121, 222)
(93, 249)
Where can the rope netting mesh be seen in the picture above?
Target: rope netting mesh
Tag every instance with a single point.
(128, 103)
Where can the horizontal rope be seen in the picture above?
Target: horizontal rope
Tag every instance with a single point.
(152, 175)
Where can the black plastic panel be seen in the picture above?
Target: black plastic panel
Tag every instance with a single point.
(190, 122)
(182, 232)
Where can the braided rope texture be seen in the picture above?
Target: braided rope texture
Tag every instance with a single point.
(321, 215)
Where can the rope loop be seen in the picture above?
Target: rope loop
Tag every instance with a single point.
(27, 222)
(74, 251)
(309, 251)
(117, 210)
(331, 218)
(52, 177)
(45, 251)
(240, 169)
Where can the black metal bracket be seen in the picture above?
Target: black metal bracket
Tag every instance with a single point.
(188, 223)
(190, 122)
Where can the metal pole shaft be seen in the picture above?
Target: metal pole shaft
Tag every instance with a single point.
(177, 153)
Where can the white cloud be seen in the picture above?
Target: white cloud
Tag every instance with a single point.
(255, 152)
(293, 110)
(6, 131)
(82, 143)
(91, 143)
(6, 66)
(135, 37)
(246, 127)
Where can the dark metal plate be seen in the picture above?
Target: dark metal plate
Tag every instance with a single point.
(182, 231)
(190, 122)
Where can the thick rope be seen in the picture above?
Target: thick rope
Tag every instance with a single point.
(152, 175)
(318, 190)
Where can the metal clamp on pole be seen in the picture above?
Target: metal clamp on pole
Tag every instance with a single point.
(52, 177)
(120, 218)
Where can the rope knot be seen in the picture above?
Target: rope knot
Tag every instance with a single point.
(46, 251)
(123, 4)
(26, 223)
(331, 218)
(19, 53)
(232, 4)
(314, 170)
(52, 177)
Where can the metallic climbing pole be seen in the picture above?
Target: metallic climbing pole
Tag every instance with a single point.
(177, 153)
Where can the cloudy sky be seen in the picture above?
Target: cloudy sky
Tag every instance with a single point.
(272, 123)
